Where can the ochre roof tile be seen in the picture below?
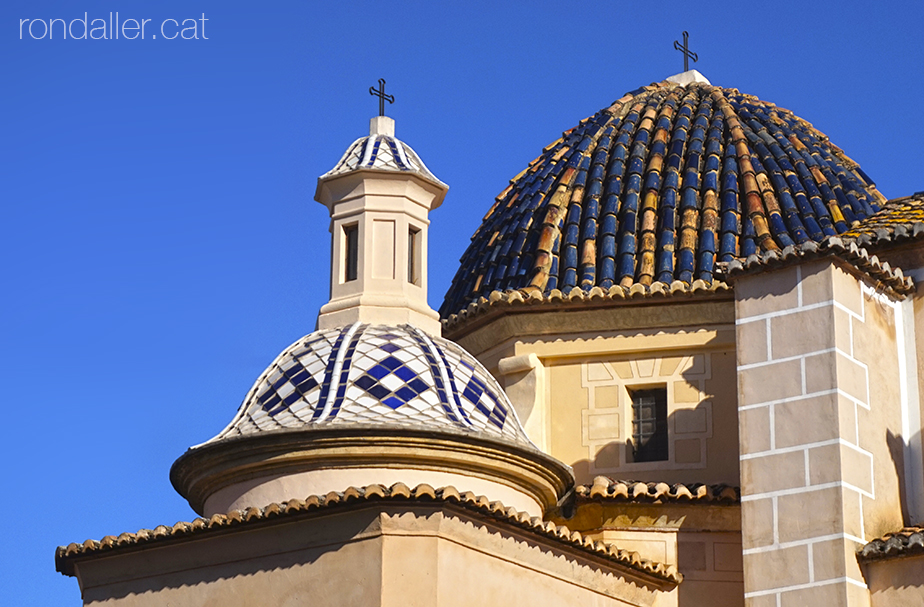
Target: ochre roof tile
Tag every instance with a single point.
(660, 187)
(480, 505)
(900, 220)
(607, 489)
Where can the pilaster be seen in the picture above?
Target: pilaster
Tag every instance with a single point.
(816, 355)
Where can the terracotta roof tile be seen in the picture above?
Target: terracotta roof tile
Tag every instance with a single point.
(399, 492)
(608, 489)
(907, 542)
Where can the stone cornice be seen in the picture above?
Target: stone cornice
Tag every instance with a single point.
(204, 470)
(499, 303)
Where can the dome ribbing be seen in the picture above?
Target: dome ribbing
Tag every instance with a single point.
(660, 186)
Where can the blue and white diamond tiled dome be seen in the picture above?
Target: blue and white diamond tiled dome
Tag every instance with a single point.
(380, 376)
(381, 150)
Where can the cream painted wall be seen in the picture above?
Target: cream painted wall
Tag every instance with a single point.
(820, 409)
(568, 374)
(712, 569)
(910, 258)
(574, 401)
(591, 414)
(896, 581)
(261, 492)
(377, 555)
(702, 539)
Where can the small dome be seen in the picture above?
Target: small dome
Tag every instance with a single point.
(382, 151)
(373, 375)
(660, 186)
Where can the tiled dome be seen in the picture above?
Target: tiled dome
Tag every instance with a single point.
(660, 186)
(372, 375)
(381, 151)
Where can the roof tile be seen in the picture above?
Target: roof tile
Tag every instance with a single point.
(906, 542)
(900, 220)
(670, 181)
(66, 555)
(608, 489)
(892, 280)
(498, 300)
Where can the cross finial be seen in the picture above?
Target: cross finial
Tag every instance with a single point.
(687, 53)
(380, 93)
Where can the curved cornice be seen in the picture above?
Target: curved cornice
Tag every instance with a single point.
(205, 470)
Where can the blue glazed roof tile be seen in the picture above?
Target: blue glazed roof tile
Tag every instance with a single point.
(660, 186)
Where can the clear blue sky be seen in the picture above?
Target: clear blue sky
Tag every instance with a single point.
(159, 240)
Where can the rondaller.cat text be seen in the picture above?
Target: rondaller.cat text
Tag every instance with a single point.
(112, 28)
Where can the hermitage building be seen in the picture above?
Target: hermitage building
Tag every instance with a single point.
(681, 363)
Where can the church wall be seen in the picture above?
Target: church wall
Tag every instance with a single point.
(910, 258)
(917, 437)
(495, 337)
(572, 393)
(874, 344)
(918, 307)
(502, 570)
(703, 540)
(820, 408)
(260, 492)
(591, 413)
(571, 388)
(712, 569)
(337, 562)
(710, 561)
(392, 556)
(897, 581)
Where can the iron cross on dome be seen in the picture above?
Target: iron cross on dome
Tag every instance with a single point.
(380, 93)
(687, 53)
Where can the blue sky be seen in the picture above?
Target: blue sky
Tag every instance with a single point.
(160, 244)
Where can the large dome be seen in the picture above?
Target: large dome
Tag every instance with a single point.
(660, 186)
(373, 375)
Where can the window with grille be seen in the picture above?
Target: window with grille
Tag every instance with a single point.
(649, 425)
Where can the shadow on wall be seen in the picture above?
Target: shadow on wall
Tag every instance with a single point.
(712, 572)
(228, 556)
(895, 581)
(897, 452)
(615, 458)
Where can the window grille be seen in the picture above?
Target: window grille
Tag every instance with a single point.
(649, 425)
